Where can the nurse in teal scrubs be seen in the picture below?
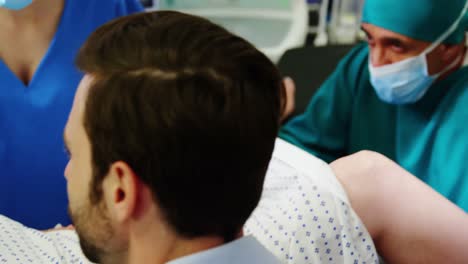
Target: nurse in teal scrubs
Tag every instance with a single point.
(403, 94)
(38, 43)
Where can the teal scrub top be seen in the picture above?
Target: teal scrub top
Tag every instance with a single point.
(428, 138)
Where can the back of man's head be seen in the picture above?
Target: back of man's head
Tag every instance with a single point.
(193, 110)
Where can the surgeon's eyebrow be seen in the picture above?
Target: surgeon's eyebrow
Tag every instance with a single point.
(393, 41)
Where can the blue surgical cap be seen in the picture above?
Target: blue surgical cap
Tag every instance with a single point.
(424, 20)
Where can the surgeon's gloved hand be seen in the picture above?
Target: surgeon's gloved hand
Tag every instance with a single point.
(15, 4)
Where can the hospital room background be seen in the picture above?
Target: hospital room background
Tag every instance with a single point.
(290, 31)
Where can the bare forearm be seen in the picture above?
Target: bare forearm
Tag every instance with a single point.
(410, 222)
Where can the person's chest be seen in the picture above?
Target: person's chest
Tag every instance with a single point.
(26, 41)
(22, 58)
(28, 52)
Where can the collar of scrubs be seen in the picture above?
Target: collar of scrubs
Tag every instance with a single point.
(241, 251)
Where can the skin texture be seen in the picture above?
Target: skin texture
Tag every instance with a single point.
(409, 221)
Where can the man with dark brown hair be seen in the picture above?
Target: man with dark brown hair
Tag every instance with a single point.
(169, 146)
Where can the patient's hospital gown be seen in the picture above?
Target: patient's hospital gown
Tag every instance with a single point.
(19, 244)
(303, 217)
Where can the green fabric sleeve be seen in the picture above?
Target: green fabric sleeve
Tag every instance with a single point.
(323, 129)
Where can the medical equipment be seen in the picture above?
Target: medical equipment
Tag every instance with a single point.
(272, 26)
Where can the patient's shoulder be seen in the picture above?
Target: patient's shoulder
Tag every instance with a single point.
(304, 215)
(295, 166)
(20, 244)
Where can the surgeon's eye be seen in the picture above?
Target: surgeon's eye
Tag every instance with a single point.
(397, 46)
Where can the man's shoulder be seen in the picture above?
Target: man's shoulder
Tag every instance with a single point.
(356, 60)
(360, 51)
(454, 93)
(460, 78)
(351, 75)
(245, 250)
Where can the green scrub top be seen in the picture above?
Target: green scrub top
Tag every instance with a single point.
(428, 138)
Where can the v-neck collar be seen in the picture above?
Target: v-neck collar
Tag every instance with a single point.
(50, 49)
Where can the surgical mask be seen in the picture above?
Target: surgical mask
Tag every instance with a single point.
(15, 4)
(407, 81)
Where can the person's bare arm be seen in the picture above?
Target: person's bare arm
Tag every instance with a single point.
(409, 221)
(289, 93)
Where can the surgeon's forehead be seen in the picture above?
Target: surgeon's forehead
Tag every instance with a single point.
(376, 30)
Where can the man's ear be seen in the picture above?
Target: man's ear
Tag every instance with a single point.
(120, 190)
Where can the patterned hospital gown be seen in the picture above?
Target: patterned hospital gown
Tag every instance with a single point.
(304, 216)
(19, 244)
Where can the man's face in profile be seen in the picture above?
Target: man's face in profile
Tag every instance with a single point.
(91, 221)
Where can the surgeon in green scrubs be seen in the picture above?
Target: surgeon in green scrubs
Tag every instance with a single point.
(403, 94)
